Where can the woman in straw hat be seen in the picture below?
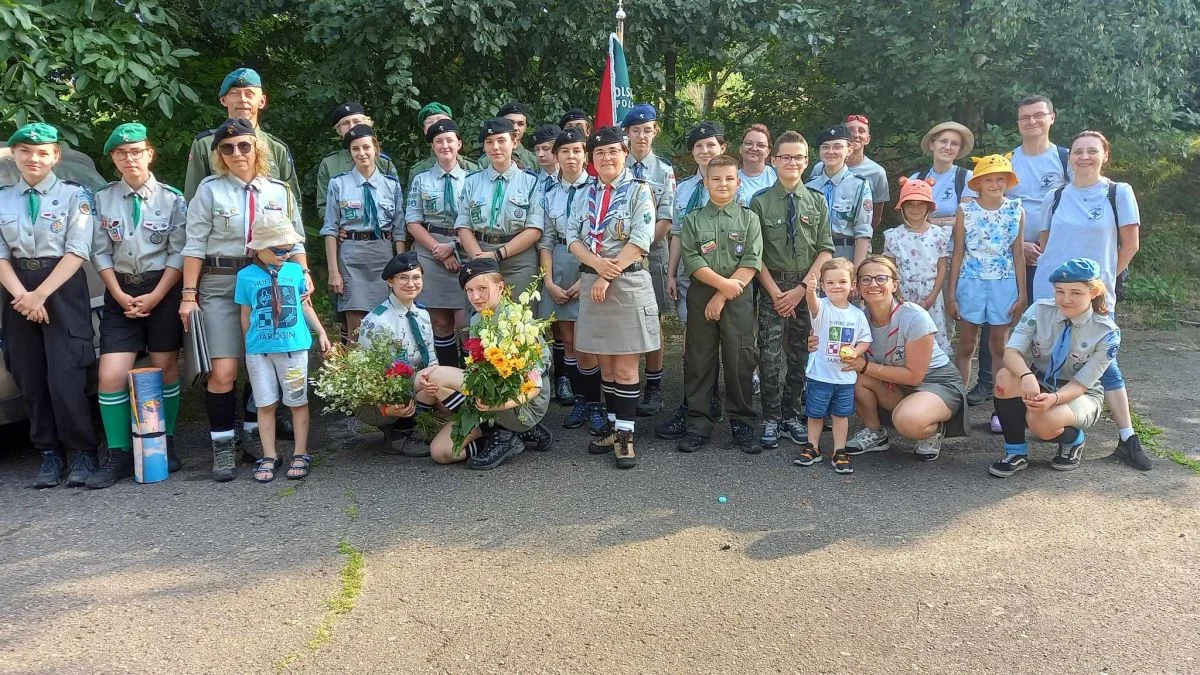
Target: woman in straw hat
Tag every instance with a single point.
(947, 143)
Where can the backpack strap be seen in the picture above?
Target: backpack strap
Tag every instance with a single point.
(1112, 201)
(924, 175)
(1064, 155)
(960, 181)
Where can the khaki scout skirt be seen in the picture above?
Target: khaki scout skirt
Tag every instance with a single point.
(361, 264)
(222, 316)
(625, 323)
(441, 289)
(566, 273)
(518, 270)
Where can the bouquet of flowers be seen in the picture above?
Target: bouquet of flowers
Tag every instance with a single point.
(376, 372)
(504, 361)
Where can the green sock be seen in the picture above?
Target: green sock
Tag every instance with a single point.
(171, 405)
(115, 413)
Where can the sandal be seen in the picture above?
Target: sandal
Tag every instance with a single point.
(265, 467)
(300, 464)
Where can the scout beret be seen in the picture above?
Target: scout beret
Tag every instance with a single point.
(441, 127)
(356, 132)
(401, 262)
(604, 136)
(1076, 270)
(702, 131)
(242, 77)
(639, 114)
(130, 132)
(498, 125)
(433, 108)
(35, 133)
(230, 128)
(838, 133)
(345, 110)
(474, 267)
(572, 115)
(512, 108)
(568, 136)
(545, 134)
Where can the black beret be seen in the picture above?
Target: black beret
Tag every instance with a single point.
(512, 108)
(356, 132)
(838, 133)
(474, 267)
(401, 262)
(604, 136)
(545, 134)
(572, 115)
(702, 131)
(345, 110)
(441, 127)
(498, 125)
(568, 136)
(229, 129)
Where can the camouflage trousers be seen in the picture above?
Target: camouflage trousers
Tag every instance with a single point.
(782, 354)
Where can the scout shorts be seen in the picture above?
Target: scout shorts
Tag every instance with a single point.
(279, 376)
(162, 331)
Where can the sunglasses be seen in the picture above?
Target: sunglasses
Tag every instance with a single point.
(281, 252)
(862, 119)
(241, 148)
(876, 280)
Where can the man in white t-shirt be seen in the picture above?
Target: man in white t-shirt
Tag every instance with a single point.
(861, 165)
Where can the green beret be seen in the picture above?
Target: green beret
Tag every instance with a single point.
(130, 132)
(242, 77)
(35, 133)
(433, 108)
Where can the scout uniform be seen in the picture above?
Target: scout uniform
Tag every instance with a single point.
(497, 207)
(339, 161)
(660, 176)
(545, 134)
(795, 229)
(575, 115)
(370, 212)
(434, 108)
(433, 199)
(724, 239)
(557, 218)
(848, 199)
(39, 225)
(521, 155)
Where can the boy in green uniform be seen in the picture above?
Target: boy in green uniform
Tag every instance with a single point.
(721, 252)
(344, 118)
(431, 114)
(797, 240)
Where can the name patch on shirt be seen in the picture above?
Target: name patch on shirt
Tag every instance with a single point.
(708, 247)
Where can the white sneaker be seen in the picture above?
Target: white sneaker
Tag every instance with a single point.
(868, 440)
(931, 448)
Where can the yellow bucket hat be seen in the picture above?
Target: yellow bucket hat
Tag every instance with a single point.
(992, 164)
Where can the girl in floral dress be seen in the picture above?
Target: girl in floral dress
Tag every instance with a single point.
(921, 251)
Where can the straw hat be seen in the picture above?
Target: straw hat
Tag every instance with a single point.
(273, 231)
(992, 164)
(968, 138)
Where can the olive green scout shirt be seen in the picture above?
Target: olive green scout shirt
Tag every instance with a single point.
(781, 253)
(721, 237)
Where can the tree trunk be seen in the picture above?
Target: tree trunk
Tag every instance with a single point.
(711, 88)
(669, 105)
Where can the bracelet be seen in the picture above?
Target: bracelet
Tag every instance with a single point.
(187, 289)
(1056, 398)
(502, 252)
(1029, 373)
(864, 368)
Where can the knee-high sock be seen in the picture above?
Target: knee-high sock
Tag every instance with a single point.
(171, 406)
(114, 412)
(220, 409)
(590, 384)
(571, 366)
(446, 348)
(559, 353)
(625, 398)
(610, 399)
(1011, 412)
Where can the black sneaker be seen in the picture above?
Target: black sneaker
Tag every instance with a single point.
(538, 438)
(597, 419)
(1131, 453)
(979, 394)
(691, 442)
(174, 463)
(743, 437)
(770, 435)
(1008, 466)
(1068, 456)
(674, 428)
(563, 394)
(50, 474)
(578, 414)
(82, 468)
(117, 466)
(651, 401)
(501, 445)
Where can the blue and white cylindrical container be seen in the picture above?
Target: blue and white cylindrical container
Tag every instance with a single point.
(149, 425)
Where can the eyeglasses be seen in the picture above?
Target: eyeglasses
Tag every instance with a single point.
(1035, 117)
(862, 119)
(751, 144)
(135, 153)
(408, 279)
(876, 280)
(641, 130)
(792, 159)
(281, 252)
(241, 148)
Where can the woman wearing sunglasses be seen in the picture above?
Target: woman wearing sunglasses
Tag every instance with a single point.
(904, 373)
(219, 222)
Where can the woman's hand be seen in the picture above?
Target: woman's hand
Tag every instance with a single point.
(858, 364)
(672, 288)
(608, 268)
(1014, 312)
(1032, 252)
(1042, 402)
(30, 302)
(730, 289)
(599, 290)
(337, 285)
(144, 304)
(557, 294)
(712, 311)
(325, 344)
(1030, 388)
(442, 251)
(406, 410)
(813, 343)
(185, 310)
(952, 310)
(125, 301)
(573, 291)
(487, 254)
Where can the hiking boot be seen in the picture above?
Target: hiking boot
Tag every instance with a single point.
(604, 444)
(626, 458)
(674, 428)
(1130, 451)
(743, 437)
(979, 394)
(770, 435)
(563, 394)
(1008, 466)
(174, 463)
(868, 440)
(841, 462)
(501, 445)
(808, 455)
(651, 401)
(249, 447)
(795, 429)
(538, 438)
(931, 448)
(1068, 456)
(575, 418)
(691, 442)
(117, 466)
(597, 419)
(223, 462)
(50, 474)
(82, 468)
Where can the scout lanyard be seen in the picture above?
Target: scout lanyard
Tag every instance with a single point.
(251, 204)
(891, 333)
(276, 292)
(448, 200)
(499, 195)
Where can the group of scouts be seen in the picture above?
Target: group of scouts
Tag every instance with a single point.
(762, 266)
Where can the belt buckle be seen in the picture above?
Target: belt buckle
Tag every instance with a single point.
(34, 264)
(134, 279)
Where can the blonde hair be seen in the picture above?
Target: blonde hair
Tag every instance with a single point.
(838, 264)
(262, 166)
(1100, 302)
(882, 261)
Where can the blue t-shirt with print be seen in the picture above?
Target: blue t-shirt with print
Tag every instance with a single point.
(266, 334)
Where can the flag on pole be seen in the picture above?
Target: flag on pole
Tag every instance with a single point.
(616, 96)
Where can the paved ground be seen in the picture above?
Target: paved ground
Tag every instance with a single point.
(559, 563)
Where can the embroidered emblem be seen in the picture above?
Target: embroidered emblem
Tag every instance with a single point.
(57, 226)
(708, 247)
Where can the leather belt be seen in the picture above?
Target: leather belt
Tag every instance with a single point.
(635, 267)
(367, 236)
(561, 241)
(787, 276)
(495, 238)
(224, 264)
(843, 241)
(139, 279)
(444, 231)
(34, 264)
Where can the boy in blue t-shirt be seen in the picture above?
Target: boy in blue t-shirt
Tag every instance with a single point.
(276, 321)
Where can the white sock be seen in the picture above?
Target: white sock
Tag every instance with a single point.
(221, 435)
(1126, 433)
(250, 426)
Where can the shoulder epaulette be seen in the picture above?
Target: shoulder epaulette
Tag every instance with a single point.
(383, 155)
(73, 182)
(418, 305)
(172, 188)
(664, 160)
(110, 184)
(639, 180)
(531, 173)
(472, 173)
(273, 137)
(380, 310)
(203, 134)
(388, 176)
(858, 176)
(815, 190)
(766, 189)
(329, 154)
(272, 179)
(344, 173)
(208, 178)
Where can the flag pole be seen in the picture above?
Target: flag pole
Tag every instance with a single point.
(621, 21)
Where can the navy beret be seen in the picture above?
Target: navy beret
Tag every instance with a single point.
(1076, 270)
(604, 136)
(401, 262)
(640, 114)
(230, 128)
(441, 127)
(703, 130)
(838, 133)
(572, 115)
(498, 125)
(356, 132)
(474, 267)
(568, 136)
(545, 134)
(512, 108)
(345, 110)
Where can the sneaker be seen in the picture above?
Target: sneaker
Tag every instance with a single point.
(1008, 466)
(868, 440)
(50, 474)
(604, 444)
(756, 382)
(623, 452)
(691, 442)
(82, 468)
(841, 462)
(1131, 452)
(979, 394)
(575, 418)
(538, 438)
(1068, 456)
(674, 428)
(770, 435)
(174, 463)
(248, 446)
(117, 466)
(743, 437)
(651, 401)
(223, 462)
(931, 448)
(501, 445)
(995, 424)
(563, 394)
(597, 419)
(808, 455)
(795, 429)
